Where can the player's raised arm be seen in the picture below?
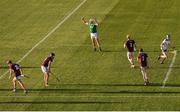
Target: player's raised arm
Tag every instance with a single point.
(84, 21)
(96, 22)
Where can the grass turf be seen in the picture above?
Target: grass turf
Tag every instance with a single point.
(89, 80)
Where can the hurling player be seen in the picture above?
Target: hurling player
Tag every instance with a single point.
(93, 32)
(46, 67)
(163, 47)
(15, 68)
(131, 47)
(143, 63)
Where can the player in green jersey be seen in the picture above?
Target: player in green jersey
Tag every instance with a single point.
(93, 32)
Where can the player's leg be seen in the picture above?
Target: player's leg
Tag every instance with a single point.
(22, 85)
(163, 56)
(97, 42)
(14, 84)
(46, 79)
(93, 43)
(144, 73)
(46, 75)
(130, 57)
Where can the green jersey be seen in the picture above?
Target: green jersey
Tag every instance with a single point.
(93, 28)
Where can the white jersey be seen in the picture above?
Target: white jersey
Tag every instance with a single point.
(164, 44)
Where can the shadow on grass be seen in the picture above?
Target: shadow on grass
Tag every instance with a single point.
(115, 85)
(58, 102)
(87, 88)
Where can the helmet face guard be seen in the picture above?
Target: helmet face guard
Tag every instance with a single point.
(9, 62)
(52, 54)
(141, 50)
(168, 37)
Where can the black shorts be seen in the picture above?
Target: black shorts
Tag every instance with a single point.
(144, 64)
(164, 50)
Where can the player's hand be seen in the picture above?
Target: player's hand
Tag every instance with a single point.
(134, 49)
(82, 18)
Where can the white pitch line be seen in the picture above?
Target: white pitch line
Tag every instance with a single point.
(52, 31)
(169, 70)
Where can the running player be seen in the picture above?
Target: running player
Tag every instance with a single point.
(164, 46)
(93, 32)
(15, 68)
(46, 67)
(131, 47)
(143, 62)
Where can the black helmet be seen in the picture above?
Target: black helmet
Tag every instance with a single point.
(9, 62)
(140, 50)
(52, 54)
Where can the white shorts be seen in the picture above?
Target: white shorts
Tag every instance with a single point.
(143, 68)
(130, 55)
(44, 69)
(93, 35)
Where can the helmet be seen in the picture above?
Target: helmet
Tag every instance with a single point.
(9, 62)
(140, 50)
(168, 37)
(52, 54)
(128, 36)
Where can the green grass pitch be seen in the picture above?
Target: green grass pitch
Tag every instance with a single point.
(89, 80)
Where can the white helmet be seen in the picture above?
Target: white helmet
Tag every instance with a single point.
(168, 37)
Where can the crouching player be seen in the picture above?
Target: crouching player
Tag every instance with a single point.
(164, 46)
(46, 67)
(15, 68)
(131, 47)
(142, 59)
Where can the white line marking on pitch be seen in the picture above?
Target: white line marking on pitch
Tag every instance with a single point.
(52, 31)
(169, 70)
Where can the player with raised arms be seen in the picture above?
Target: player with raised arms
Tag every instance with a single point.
(46, 67)
(143, 63)
(131, 47)
(92, 23)
(163, 47)
(16, 69)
